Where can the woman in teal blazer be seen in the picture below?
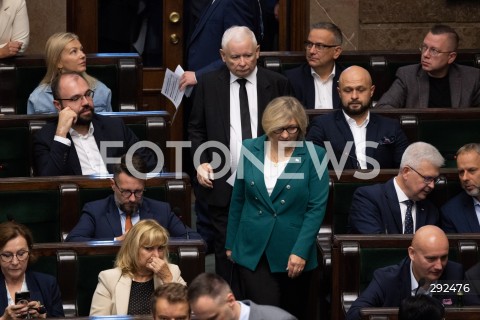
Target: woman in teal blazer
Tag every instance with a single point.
(277, 207)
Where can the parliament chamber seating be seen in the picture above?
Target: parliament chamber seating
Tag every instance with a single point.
(77, 265)
(356, 257)
(51, 206)
(16, 132)
(464, 313)
(121, 72)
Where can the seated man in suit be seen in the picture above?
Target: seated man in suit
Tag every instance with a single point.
(461, 214)
(351, 131)
(170, 301)
(314, 83)
(74, 145)
(427, 263)
(112, 217)
(210, 297)
(437, 82)
(399, 205)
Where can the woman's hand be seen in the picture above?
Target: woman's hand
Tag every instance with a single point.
(160, 269)
(16, 311)
(295, 266)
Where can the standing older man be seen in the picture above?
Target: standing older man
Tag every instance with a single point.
(355, 124)
(227, 109)
(462, 213)
(427, 261)
(437, 82)
(314, 83)
(400, 205)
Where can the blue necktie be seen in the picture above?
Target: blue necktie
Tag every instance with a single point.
(408, 217)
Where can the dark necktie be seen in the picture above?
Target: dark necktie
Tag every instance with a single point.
(244, 111)
(408, 217)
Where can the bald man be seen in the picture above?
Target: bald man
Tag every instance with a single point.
(355, 124)
(427, 259)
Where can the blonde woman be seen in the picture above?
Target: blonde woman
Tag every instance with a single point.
(141, 266)
(64, 52)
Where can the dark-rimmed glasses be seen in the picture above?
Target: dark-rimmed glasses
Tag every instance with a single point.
(427, 180)
(128, 193)
(290, 130)
(88, 95)
(20, 255)
(318, 46)
(433, 52)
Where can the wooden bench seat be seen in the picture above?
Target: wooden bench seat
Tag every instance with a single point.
(464, 313)
(77, 265)
(356, 257)
(121, 72)
(16, 132)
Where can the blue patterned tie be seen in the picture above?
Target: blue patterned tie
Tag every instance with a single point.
(408, 217)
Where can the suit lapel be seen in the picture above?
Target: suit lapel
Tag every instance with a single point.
(73, 158)
(347, 135)
(113, 217)
(122, 294)
(335, 96)
(297, 160)
(455, 86)
(372, 135)
(258, 151)
(423, 88)
(392, 200)
(223, 100)
(421, 215)
(264, 96)
(469, 213)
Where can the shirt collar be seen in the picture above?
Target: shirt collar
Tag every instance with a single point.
(330, 76)
(252, 77)
(74, 132)
(244, 311)
(352, 122)
(402, 197)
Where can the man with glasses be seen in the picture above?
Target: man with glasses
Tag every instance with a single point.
(437, 82)
(314, 83)
(399, 206)
(112, 217)
(72, 145)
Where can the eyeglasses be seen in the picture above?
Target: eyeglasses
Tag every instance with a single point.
(8, 256)
(290, 130)
(318, 46)
(427, 180)
(88, 95)
(128, 193)
(433, 52)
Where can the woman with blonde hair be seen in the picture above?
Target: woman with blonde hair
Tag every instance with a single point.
(141, 266)
(64, 52)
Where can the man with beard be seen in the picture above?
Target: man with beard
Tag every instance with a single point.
(72, 145)
(359, 139)
(399, 205)
(436, 82)
(314, 82)
(112, 217)
(462, 213)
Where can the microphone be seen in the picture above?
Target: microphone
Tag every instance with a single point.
(421, 283)
(178, 213)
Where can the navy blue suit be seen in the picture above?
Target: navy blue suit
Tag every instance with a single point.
(303, 85)
(204, 45)
(387, 132)
(375, 209)
(458, 215)
(43, 288)
(53, 158)
(100, 220)
(390, 285)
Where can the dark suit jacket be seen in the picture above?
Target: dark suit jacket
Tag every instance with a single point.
(210, 119)
(43, 288)
(411, 88)
(387, 132)
(458, 215)
(203, 47)
(53, 158)
(375, 209)
(472, 277)
(392, 284)
(303, 85)
(100, 220)
(264, 312)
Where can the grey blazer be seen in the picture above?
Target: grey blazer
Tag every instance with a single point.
(263, 312)
(411, 88)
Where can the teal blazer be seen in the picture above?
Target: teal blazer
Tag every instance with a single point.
(287, 221)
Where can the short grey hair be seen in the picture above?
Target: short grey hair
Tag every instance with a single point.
(237, 33)
(333, 28)
(469, 147)
(421, 151)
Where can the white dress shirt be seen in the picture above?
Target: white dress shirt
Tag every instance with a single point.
(323, 90)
